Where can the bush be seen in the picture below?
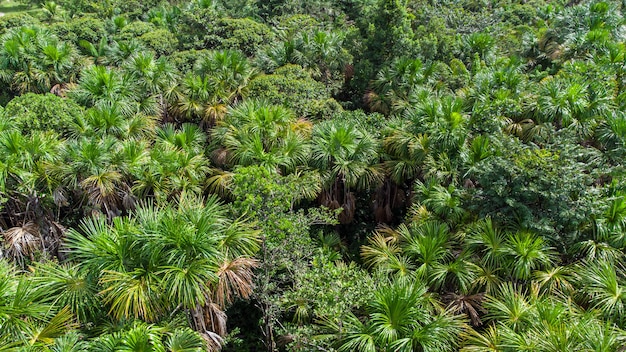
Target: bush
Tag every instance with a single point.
(85, 28)
(42, 112)
(134, 30)
(294, 88)
(162, 41)
(19, 19)
(185, 60)
(241, 34)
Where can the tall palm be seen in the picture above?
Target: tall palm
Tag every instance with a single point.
(176, 164)
(394, 85)
(189, 256)
(144, 337)
(34, 60)
(229, 70)
(428, 244)
(563, 103)
(510, 307)
(67, 286)
(100, 87)
(108, 121)
(24, 184)
(487, 241)
(612, 134)
(404, 154)
(27, 322)
(347, 158)
(526, 321)
(155, 77)
(400, 318)
(603, 285)
(527, 252)
(217, 80)
(255, 133)
(444, 120)
(443, 202)
(383, 252)
(192, 99)
(90, 168)
(324, 53)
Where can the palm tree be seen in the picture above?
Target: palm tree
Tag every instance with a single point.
(487, 241)
(563, 103)
(346, 157)
(320, 52)
(24, 183)
(521, 321)
(143, 337)
(59, 63)
(101, 87)
(395, 85)
(193, 97)
(174, 165)
(90, 168)
(189, 256)
(527, 252)
(400, 318)
(97, 52)
(443, 202)
(602, 283)
(67, 286)
(108, 121)
(52, 11)
(255, 133)
(218, 80)
(155, 77)
(383, 253)
(612, 134)
(119, 52)
(279, 54)
(229, 71)
(404, 154)
(27, 322)
(510, 307)
(428, 244)
(323, 52)
(33, 60)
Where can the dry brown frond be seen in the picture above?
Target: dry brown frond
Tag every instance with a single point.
(234, 278)
(467, 304)
(22, 241)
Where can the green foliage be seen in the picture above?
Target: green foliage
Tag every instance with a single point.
(268, 136)
(270, 199)
(294, 88)
(135, 30)
(162, 41)
(243, 34)
(398, 317)
(32, 113)
(197, 243)
(15, 20)
(396, 175)
(329, 290)
(87, 28)
(195, 24)
(34, 60)
(547, 189)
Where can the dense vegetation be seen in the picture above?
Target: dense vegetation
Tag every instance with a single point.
(313, 175)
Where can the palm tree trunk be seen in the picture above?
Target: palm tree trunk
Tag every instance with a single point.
(197, 319)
